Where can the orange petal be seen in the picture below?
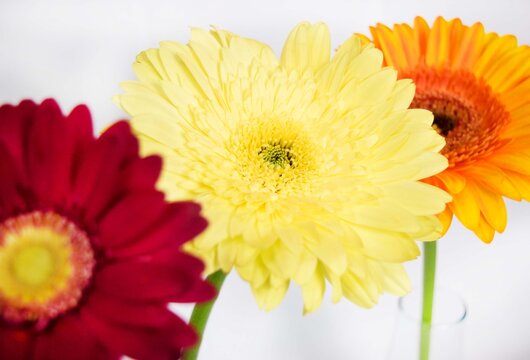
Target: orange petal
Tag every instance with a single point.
(411, 50)
(453, 181)
(494, 50)
(466, 208)
(392, 49)
(455, 32)
(446, 218)
(508, 73)
(495, 179)
(421, 33)
(521, 183)
(484, 231)
(438, 44)
(492, 208)
(469, 48)
(517, 162)
(517, 96)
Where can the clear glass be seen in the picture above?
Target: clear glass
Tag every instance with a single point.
(447, 331)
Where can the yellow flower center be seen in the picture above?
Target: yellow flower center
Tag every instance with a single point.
(274, 155)
(33, 265)
(277, 154)
(45, 263)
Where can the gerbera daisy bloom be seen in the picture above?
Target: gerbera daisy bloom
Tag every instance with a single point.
(477, 85)
(85, 271)
(307, 167)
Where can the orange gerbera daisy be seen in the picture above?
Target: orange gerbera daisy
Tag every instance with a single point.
(477, 84)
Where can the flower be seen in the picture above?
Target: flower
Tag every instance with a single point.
(85, 271)
(477, 86)
(306, 167)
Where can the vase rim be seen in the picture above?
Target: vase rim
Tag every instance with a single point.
(436, 322)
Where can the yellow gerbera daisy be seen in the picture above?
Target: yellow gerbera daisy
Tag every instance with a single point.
(307, 167)
(477, 85)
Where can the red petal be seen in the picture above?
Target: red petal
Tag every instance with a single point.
(130, 217)
(78, 140)
(180, 223)
(42, 144)
(69, 338)
(15, 344)
(80, 127)
(162, 276)
(200, 292)
(142, 173)
(15, 122)
(46, 159)
(142, 343)
(97, 183)
(152, 315)
(11, 200)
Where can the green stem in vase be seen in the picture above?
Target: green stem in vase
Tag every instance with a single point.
(201, 313)
(429, 272)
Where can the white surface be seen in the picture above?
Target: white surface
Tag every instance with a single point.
(78, 51)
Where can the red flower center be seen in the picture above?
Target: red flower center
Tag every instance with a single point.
(46, 262)
(466, 112)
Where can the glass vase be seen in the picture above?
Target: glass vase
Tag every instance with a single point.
(447, 330)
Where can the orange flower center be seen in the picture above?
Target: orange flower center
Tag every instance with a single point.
(466, 112)
(46, 262)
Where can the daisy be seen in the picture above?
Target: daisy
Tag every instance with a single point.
(477, 85)
(307, 166)
(85, 271)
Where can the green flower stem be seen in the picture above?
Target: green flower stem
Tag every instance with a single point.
(429, 272)
(201, 313)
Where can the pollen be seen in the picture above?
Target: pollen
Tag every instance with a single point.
(274, 155)
(46, 261)
(277, 154)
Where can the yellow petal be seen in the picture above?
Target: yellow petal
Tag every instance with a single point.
(387, 245)
(375, 88)
(330, 251)
(280, 260)
(355, 291)
(313, 292)
(226, 254)
(307, 48)
(306, 268)
(418, 198)
(255, 272)
(395, 279)
(268, 297)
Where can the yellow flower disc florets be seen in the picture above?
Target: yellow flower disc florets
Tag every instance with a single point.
(274, 155)
(45, 263)
(307, 166)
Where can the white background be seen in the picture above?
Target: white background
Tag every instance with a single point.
(79, 51)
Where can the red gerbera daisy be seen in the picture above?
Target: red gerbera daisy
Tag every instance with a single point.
(90, 252)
